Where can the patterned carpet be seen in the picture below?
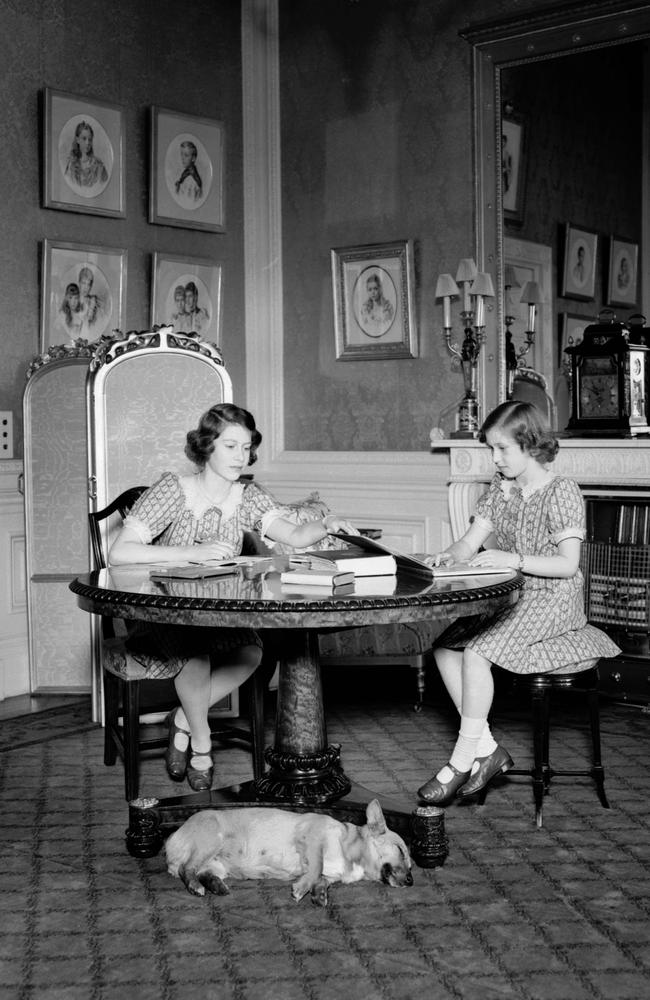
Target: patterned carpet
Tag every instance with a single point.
(561, 913)
(50, 724)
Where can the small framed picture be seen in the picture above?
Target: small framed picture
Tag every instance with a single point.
(579, 273)
(187, 167)
(83, 292)
(572, 328)
(374, 316)
(513, 166)
(186, 294)
(622, 275)
(83, 155)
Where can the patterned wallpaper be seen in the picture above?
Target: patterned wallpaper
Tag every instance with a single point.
(376, 145)
(376, 117)
(135, 53)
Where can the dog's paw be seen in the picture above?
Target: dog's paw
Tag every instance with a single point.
(191, 881)
(299, 889)
(214, 884)
(319, 892)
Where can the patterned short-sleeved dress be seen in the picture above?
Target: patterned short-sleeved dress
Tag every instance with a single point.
(546, 630)
(175, 511)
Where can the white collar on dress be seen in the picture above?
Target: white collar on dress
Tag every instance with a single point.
(508, 485)
(198, 503)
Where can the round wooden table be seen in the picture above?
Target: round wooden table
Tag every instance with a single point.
(305, 772)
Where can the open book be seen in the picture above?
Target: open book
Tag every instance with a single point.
(416, 565)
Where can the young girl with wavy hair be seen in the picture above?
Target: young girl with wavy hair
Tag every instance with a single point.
(530, 519)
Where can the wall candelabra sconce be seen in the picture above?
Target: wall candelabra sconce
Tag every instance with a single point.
(475, 287)
(532, 296)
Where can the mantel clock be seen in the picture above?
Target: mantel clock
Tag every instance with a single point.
(609, 382)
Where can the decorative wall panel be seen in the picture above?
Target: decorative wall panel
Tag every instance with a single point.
(56, 504)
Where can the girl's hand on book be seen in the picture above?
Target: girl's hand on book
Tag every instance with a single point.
(496, 558)
(212, 549)
(440, 559)
(333, 524)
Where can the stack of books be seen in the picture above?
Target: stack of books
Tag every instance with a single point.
(312, 571)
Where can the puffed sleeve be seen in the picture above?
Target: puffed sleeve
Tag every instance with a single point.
(259, 509)
(156, 508)
(566, 510)
(484, 512)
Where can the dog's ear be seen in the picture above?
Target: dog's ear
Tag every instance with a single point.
(375, 817)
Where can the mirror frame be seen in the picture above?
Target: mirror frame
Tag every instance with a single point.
(496, 45)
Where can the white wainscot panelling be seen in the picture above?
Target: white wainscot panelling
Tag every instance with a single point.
(14, 656)
(404, 494)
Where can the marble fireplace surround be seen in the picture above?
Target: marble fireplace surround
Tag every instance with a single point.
(603, 467)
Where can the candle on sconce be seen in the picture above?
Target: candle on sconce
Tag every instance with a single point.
(531, 317)
(481, 289)
(532, 295)
(446, 289)
(465, 276)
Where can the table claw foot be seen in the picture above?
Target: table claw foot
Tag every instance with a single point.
(429, 845)
(143, 836)
(303, 779)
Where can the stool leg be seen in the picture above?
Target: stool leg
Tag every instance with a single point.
(597, 770)
(131, 739)
(546, 741)
(539, 712)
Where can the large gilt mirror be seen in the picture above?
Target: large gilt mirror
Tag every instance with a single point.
(561, 147)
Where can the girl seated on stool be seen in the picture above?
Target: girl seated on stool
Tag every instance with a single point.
(205, 514)
(536, 521)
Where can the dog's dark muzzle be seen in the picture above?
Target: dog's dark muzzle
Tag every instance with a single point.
(396, 877)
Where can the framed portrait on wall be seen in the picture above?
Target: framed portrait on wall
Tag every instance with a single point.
(186, 295)
(83, 292)
(83, 155)
(579, 271)
(186, 186)
(622, 274)
(374, 317)
(513, 165)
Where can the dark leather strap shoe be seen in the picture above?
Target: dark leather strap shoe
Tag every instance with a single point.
(200, 780)
(498, 762)
(175, 759)
(441, 793)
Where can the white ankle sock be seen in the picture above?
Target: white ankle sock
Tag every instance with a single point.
(199, 758)
(487, 743)
(181, 740)
(465, 753)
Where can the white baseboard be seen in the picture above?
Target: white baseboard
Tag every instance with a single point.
(14, 666)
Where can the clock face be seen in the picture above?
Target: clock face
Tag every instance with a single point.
(598, 393)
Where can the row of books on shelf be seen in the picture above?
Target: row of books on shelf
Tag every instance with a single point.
(633, 524)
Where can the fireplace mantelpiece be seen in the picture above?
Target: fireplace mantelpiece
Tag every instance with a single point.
(599, 466)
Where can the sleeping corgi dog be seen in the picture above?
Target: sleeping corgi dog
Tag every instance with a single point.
(315, 850)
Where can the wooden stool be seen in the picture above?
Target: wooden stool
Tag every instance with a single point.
(583, 677)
